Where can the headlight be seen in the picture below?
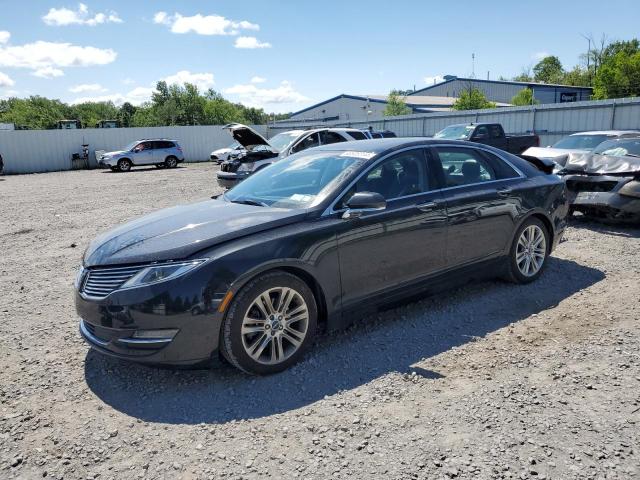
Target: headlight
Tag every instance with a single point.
(161, 273)
(79, 277)
(245, 167)
(631, 189)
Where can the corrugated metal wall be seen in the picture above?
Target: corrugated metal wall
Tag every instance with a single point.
(550, 121)
(31, 151)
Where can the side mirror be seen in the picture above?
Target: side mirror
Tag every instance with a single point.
(363, 202)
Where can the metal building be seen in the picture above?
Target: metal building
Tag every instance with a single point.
(366, 107)
(503, 91)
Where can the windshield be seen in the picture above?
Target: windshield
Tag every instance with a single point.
(299, 181)
(131, 145)
(234, 145)
(619, 148)
(581, 142)
(455, 132)
(281, 141)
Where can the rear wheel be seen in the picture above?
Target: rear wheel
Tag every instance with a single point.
(269, 324)
(124, 165)
(529, 252)
(171, 162)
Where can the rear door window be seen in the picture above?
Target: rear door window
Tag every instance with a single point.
(357, 135)
(327, 137)
(468, 166)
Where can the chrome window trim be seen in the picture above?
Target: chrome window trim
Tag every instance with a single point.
(330, 209)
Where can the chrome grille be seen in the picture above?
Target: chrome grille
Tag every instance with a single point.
(100, 282)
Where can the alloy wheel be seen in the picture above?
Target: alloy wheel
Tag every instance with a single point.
(531, 250)
(275, 325)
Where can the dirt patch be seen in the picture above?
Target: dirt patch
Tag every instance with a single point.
(487, 381)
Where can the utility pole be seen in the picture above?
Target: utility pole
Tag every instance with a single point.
(588, 39)
(473, 65)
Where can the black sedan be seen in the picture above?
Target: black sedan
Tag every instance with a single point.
(313, 241)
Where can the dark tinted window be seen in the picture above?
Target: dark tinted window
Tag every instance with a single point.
(466, 166)
(357, 135)
(159, 144)
(308, 142)
(496, 131)
(481, 131)
(401, 175)
(376, 135)
(331, 137)
(388, 134)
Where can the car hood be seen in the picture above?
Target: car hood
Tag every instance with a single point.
(116, 152)
(246, 136)
(595, 164)
(179, 232)
(558, 155)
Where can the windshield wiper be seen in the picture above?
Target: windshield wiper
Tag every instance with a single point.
(248, 201)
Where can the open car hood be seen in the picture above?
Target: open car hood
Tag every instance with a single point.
(247, 136)
(595, 164)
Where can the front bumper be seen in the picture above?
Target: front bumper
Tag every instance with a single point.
(109, 325)
(230, 179)
(599, 197)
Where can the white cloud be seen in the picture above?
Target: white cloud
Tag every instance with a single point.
(253, 96)
(434, 79)
(48, 72)
(203, 24)
(540, 55)
(250, 42)
(63, 16)
(6, 80)
(128, 81)
(48, 58)
(8, 94)
(87, 87)
(257, 79)
(203, 81)
(4, 36)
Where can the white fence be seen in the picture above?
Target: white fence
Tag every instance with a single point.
(32, 151)
(550, 121)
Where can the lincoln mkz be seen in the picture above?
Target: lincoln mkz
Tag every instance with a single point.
(310, 243)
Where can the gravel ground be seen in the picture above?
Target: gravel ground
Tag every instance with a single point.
(487, 381)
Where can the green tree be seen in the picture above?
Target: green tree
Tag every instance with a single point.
(548, 70)
(472, 99)
(618, 76)
(90, 113)
(524, 97)
(126, 113)
(395, 106)
(34, 112)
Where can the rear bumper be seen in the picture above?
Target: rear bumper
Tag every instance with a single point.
(230, 179)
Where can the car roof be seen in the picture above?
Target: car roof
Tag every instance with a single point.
(607, 132)
(156, 139)
(384, 145)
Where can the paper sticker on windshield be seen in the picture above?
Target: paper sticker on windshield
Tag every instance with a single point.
(365, 155)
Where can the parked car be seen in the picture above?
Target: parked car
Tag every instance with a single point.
(489, 134)
(160, 152)
(605, 184)
(310, 241)
(232, 151)
(577, 143)
(261, 152)
(379, 134)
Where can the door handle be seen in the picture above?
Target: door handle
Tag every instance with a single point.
(428, 206)
(505, 192)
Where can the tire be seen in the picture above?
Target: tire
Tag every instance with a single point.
(124, 165)
(159, 165)
(268, 345)
(171, 162)
(529, 252)
(114, 169)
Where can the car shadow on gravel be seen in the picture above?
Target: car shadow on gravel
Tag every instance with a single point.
(392, 341)
(627, 230)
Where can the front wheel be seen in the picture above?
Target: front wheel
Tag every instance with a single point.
(124, 165)
(269, 324)
(529, 252)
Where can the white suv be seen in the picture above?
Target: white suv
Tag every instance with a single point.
(261, 152)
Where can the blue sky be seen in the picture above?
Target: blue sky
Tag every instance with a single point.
(284, 55)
